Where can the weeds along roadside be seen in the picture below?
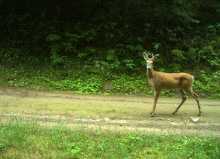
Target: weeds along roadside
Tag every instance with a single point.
(89, 80)
(26, 137)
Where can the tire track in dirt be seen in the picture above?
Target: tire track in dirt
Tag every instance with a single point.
(127, 113)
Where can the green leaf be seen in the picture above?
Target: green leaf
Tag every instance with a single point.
(130, 47)
(83, 54)
(140, 39)
(112, 35)
(53, 37)
(111, 54)
(139, 47)
(195, 21)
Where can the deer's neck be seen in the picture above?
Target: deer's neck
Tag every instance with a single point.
(150, 73)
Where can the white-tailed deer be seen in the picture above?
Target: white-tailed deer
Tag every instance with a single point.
(167, 81)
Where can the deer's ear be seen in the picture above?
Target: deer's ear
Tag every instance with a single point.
(145, 55)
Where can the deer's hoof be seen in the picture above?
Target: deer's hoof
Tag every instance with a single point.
(152, 114)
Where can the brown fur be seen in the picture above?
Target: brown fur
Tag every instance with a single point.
(168, 81)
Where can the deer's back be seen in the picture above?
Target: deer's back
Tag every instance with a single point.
(172, 80)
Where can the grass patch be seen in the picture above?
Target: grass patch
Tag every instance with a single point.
(27, 138)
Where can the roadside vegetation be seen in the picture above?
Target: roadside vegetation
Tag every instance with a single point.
(46, 48)
(83, 46)
(27, 138)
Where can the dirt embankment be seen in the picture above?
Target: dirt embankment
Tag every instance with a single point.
(128, 113)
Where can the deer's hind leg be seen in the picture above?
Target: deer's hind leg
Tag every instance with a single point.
(195, 96)
(183, 100)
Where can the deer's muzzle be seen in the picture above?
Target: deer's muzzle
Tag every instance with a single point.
(149, 66)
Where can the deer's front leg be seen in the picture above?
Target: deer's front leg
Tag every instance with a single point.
(156, 96)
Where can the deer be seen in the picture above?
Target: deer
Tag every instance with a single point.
(169, 81)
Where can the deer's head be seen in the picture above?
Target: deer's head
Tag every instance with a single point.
(149, 61)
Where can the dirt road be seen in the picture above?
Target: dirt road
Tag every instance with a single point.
(126, 113)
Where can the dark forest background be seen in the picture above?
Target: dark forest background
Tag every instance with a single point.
(95, 46)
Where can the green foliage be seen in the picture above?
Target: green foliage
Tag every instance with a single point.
(92, 80)
(78, 81)
(53, 37)
(108, 42)
(208, 85)
(184, 10)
